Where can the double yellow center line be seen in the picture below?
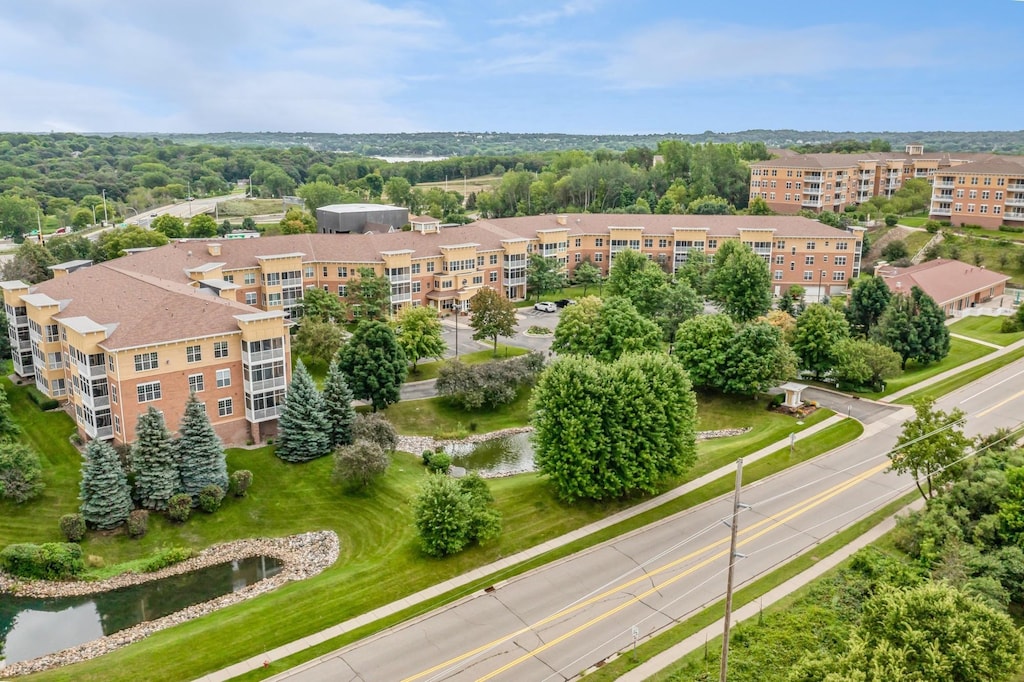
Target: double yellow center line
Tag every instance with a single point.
(749, 534)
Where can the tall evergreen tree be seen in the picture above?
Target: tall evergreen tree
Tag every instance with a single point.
(201, 459)
(374, 364)
(104, 492)
(338, 406)
(303, 427)
(155, 461)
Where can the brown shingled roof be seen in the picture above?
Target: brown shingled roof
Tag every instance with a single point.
(943, 280)
(143, 308)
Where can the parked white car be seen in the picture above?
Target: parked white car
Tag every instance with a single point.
(545, 306)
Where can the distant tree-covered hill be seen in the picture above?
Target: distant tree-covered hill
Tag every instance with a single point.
(494, 143)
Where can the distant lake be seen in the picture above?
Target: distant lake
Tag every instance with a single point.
(403, 159)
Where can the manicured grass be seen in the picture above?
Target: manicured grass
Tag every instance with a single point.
(47, 433)
(436, 415)
(985, 328)
(711, 614)
(429, 370)
(950, 384)
(375, 530)
(918, 221)
(988, 234)
(960, 352)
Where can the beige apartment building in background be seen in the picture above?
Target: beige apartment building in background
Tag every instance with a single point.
(986, 193)
(211, 317)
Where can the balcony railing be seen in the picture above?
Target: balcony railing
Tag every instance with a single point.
(1015, 202)
(400, 278)
(812, 190)
(264, 414)
(97, 402)
(264, 384)
(810, 203)
(514, 281)
(1016, 186)
(251, 357)
(942, 211)
(1014, 215)
(92, 371)
(943, 184)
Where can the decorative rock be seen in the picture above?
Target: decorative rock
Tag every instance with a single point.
(302, 556)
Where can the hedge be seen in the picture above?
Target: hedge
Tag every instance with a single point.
(48, 561)
(41, 400)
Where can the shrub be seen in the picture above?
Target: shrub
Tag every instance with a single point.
(375, 428)
(179, 507)
(73, 527)
(491, 384)
(932, 226)
(450, 514)
(44, 402)
(890, 220)
(167, 556)
(440, 463)
(21, 475)
(210, 498)
(138, 523)
(427, 456)
(1011, 228)
(1010, 325)
(48, 561)
(241, 481)
(538, 330)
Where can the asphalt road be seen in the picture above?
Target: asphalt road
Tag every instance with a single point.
(557, 621)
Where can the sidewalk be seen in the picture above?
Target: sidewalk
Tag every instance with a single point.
(286, 650)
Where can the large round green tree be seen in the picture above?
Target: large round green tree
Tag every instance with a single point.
(374, 364)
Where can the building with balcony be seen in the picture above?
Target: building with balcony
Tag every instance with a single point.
(987, 193)
(211, 317)
(110, 343)
(831, 182)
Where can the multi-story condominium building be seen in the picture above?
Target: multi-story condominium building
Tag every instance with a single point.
(988, 193)
(210, 316)
(831, 182)
(110, 343)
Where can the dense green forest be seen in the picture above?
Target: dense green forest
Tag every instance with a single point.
(483, 143)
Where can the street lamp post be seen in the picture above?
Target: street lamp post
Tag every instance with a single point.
(821, 292)
(105, 217)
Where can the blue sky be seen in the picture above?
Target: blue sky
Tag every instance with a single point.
(573, 66)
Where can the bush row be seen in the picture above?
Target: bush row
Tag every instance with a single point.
(490, 384)
(48, 561)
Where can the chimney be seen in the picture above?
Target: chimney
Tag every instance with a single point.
(213, 248)
(562, 219)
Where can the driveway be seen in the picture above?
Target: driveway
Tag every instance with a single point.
(864, 411)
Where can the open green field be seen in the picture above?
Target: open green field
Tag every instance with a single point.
(960, 352)
(941, 388)
(985, 328)
(913, 221)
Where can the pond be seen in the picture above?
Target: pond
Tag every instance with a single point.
(30, 628)
(508, 454)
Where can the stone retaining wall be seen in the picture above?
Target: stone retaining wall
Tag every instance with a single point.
(302, 556)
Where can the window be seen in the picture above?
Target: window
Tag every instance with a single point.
(824, 258)
(840, 260)
(416, 287)
(478, 279)
(113, 394)
(712, 243)
(983, 208)
(193, 353)
(117, 424)
(808, 260)
(997, 209)
(415, 270)
(787, 196)
(577, 257)
(780, 259)
(479, 261)
(220, 349)
(250, 278)
(778, 274)
(250, 298)
(342, 290)
(599, 242)
(974, 180)
(973, 194)
(648, 243)
(810, 246)
(579, 242)
(494, 275)
(324, 270)
(52, 333)
(223, 378)
(999, 195)
(986, 181)
(195, 383)
(229, 278)
(430, 266)
(959, 194)
(792, 265)
(225, 407)
(970, 208)
(598, 257)
(148, 392)
(309, 274)
(144, 361)
(662, 243)
(808, 275)
(984, 194)
(838, 276)
(842, 246)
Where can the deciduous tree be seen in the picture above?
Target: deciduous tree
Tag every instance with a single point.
(638, 280)
(586, 275)
(739, 281)
(31, 264)
(419, 334)
(914, 326)
(297, 221)
(168, 225)
(369, 295)
(702, 347)
(544, 275)
(866, 363)
(452, 514)
(105, 496)
(322, 304)
(304, 432)
(360, 462)
(21, 474)
(869, 298)
(317, 339)
(819, 332)
(374, 364)
(493, 316)
(317, 194)
(202, 226)
(930, 447)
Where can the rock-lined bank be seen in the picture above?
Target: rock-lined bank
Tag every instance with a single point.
(417, 444)
(302, 556)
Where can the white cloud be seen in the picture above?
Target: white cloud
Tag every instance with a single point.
(680, 53)
(566, 10)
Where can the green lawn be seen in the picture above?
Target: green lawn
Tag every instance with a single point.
(985, 328)
(917, 221)
(950, 384)
(916, 241)
(429, 370)
(960, 352)
(435, 416)
(989, 234)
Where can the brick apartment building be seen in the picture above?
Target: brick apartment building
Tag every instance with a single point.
(211, 316)
(831, 182)
(988, 193)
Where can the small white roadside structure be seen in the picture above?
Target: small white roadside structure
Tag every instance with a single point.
(793, 394)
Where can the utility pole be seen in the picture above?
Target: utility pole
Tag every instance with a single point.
(732, 564)
(105, 216)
